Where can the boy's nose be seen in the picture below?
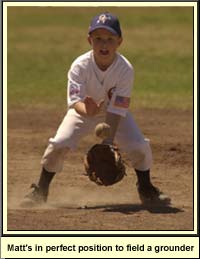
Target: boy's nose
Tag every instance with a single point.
(104, 42)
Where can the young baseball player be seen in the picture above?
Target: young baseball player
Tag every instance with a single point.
(99, 89)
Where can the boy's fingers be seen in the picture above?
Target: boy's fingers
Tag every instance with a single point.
(89, 99)
(101, 103)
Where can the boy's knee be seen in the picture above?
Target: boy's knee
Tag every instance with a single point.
(141, 156)
(53, 158)
(144, 148)
(140, 151)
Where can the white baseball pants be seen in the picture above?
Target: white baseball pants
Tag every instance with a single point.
(73, 127)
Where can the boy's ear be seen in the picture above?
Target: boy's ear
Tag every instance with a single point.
(120, 41)
(89, 39)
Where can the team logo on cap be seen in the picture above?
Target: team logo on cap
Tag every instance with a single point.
(103, 18)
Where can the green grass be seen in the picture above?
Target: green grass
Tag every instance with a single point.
(43, 41)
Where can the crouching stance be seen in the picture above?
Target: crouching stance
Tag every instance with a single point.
(100, 85)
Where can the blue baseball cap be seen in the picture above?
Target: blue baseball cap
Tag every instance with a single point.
(106, 21)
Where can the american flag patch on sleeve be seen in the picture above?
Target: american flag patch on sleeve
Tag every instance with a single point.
(122, 102)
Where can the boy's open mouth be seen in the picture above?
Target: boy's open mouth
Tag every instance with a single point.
(104, 52)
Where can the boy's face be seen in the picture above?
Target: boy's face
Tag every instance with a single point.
(104, 44)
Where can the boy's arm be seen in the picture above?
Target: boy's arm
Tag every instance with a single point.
(88, 107)
(112, 120)
(80, 108)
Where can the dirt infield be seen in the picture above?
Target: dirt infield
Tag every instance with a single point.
(107, 208)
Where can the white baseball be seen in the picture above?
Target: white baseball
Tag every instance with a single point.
(102, 130)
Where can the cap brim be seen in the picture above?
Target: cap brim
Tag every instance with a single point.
(103, 27)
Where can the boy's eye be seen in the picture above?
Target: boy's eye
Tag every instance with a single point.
(99, 39)
(96, 38)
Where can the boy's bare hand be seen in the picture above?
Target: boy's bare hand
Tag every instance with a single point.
(92, 108)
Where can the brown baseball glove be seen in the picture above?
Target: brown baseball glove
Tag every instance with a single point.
(104, 165)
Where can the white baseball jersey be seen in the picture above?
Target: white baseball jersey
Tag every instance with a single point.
(114, 85)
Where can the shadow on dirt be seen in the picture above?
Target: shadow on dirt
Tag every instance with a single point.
(132, 208)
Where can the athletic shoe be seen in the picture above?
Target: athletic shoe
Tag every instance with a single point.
(150, 195)
(35, 198)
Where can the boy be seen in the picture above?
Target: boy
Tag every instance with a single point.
(99, 89)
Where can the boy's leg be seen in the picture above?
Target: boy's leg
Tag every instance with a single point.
(40, 191)
(131, 140)
(70, 131)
